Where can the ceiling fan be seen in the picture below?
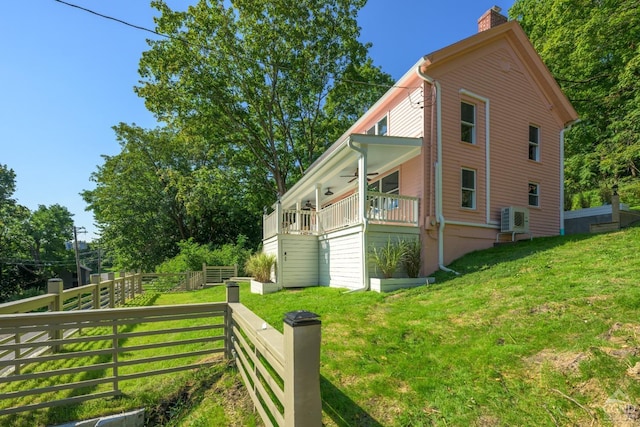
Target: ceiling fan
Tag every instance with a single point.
(355, 175)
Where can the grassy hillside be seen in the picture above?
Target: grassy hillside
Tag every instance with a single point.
(542, 332)
(537, 333)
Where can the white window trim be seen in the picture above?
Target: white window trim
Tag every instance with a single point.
(472, 125)
(375, 129)
(534, 144)
(537, 194)
(472, 190)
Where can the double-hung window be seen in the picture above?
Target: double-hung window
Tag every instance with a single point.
(534, 194)
(388, 184)
(468, 178)
(468, 123)
(534, 143)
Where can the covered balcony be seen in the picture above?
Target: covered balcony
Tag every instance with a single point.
(382, 208)
(327, 198)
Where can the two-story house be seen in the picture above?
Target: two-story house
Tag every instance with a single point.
(460, 152)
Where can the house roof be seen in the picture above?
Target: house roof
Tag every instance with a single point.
(334, 170)
(325, 169)
(515, 35)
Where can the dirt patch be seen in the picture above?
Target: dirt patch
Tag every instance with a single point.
(487, 421)
(592, 389)
(634, 371)
(596, 298)
(548, 308)
(623, 334)
(565, 362)
(621, 353)
(622, 413)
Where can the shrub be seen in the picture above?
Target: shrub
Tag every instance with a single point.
(192, 255)
(412, 257)
(387, 258)
(259, 266)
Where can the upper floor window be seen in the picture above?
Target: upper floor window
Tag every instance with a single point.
(468, 123)
(534, 143)
(388, 184)
(468, 188)
(534, 194)
(379, 128)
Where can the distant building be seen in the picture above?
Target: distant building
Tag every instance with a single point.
(70, 278)
(82, 245)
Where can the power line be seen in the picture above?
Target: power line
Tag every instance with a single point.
(138, 27)
(232, 54)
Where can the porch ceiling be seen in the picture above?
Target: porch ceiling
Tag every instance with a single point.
(333, 170)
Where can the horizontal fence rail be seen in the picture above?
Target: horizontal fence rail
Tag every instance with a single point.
(218, 274)
(281, 371)
(103, 351)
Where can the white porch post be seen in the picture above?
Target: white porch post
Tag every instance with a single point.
(278, 217)
(315, 222)
(362, 184)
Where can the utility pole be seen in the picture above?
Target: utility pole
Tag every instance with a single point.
(75, 245)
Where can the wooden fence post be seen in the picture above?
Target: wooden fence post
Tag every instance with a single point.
(139, 282)
(56, 287)
(95, 281)
(123, 288)
(204, 274)
(233, 296)
(112, 289)
(302, 401)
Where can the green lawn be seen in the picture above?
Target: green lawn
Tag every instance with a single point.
(538, 333)
(542, 332)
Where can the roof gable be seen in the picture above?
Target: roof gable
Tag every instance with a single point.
(516, 37)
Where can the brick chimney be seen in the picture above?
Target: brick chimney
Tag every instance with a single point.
(491, 18)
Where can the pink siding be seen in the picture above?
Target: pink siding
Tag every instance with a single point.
(494, 72)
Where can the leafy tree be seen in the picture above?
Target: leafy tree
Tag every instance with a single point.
(268, 83)
(48, 230)
(250, 94)
(592, 48)
(164, 188)
(32, 244)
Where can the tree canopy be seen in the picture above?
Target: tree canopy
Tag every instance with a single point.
(267, 83)
(32, 244)
(248, 94)
(593, 49)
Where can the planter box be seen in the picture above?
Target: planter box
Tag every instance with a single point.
(264, 288)
(393, 284)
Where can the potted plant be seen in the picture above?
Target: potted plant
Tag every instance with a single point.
(389, 257)
(259, 265)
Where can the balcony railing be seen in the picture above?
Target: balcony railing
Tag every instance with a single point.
(340, 214)
(382, 208)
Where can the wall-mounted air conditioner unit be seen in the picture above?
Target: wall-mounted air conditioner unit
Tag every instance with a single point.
(514, 220)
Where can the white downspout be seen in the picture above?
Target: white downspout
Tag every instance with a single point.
(439, 213)
(566, 128)
(362, 207)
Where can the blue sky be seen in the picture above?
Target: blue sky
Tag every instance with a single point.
(67, 77)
